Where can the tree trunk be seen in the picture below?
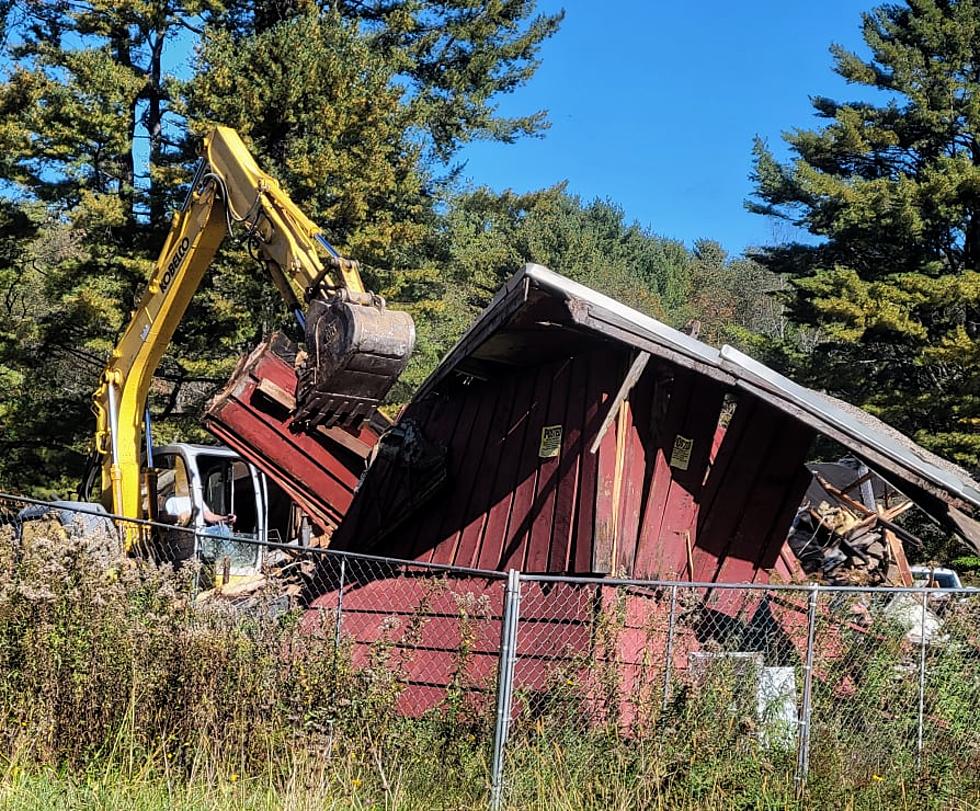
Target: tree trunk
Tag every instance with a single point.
(154, 124)
(127, 182)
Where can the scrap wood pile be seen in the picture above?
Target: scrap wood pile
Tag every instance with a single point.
(844, 532)
(287, 573)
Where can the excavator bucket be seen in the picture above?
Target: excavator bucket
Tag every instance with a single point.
(356, 349)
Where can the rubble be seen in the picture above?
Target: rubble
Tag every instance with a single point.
(844, 532)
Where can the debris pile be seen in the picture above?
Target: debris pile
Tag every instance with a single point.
(845, 533)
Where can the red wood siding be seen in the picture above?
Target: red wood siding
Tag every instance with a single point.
(317, 472)
(724, 517)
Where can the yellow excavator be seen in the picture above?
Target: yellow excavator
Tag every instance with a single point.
(355, 346)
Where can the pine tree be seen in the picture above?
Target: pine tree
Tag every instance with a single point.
(82, 79)
(346, 103)
(891, 194)
(453, 58)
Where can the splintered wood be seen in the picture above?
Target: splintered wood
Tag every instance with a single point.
(844, 540)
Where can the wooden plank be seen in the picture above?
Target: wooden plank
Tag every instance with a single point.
(582, 526)
(748, 439)
(604, 523)
(281, 397)
(623, 424)
(639, 447)
(562, 535)
(439, 423)
(736, 569)
(898, 556)
(779, 481)
(856, 506)
(325, 491)
(623, 331)
(470, 486)
(650, 549)
(507, 448)
(788, 568)
(385, 514)
(277, 394)
(785, 505)
(632, 376)
(546, 486)
(678, 532)
(481, 495)
(463, 443)
(519, 521)
(725, 449)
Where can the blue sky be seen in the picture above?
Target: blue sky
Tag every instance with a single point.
(654, 106)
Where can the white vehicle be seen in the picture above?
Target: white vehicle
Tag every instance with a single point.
(935, 577)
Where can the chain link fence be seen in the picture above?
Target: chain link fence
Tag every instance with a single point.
(823, 689)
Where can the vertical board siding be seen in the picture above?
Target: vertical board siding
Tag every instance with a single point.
(519, 520)
(480, 499)
(581, 553)
(418, 625)
(562, 530)
(632, 488)
(741, 455)
(503, 506)
(463, 444)
(543, 513)
(673, 395)
(504, 458)
(458, 511)
(678, 532)
(319, 474)
(606, 381)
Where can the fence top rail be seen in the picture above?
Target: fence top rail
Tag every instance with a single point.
(792, 587)
(316, 550)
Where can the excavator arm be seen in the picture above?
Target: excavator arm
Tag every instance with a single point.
(356, 346)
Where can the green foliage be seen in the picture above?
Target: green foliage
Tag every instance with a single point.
(353, 107)
(452, 58)
(358, 109)
(891, 192)
(485, 236)
(119, 689)
(966, 563)
(111, 672)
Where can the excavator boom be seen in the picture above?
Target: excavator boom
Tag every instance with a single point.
(356, 346)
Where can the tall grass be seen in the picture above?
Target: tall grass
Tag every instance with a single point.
(119, 690)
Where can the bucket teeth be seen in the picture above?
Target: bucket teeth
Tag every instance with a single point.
(355, 353)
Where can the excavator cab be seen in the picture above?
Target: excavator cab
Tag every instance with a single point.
(195, 481)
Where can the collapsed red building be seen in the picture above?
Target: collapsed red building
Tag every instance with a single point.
(567, 434)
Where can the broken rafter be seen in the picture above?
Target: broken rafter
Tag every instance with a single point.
(632, 376)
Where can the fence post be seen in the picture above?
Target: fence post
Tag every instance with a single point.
(669, 653)
(803, 742)
(340, 606)
(505, 683)
(922, 681)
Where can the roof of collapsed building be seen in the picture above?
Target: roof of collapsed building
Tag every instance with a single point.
(501, 336)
